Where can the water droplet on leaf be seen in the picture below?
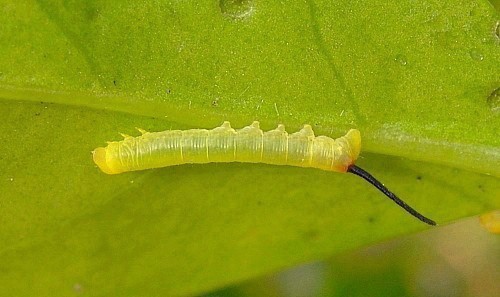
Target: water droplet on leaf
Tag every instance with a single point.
(494, 101)
(236, 9)
(476, 55)
(401, 59)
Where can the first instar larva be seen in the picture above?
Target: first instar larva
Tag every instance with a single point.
(249, 144)
(225, 144)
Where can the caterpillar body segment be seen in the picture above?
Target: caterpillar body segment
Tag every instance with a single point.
(225, 144)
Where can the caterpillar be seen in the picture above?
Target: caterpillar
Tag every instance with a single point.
(249, 144)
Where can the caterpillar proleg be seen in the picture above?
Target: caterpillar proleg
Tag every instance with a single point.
(249, 144)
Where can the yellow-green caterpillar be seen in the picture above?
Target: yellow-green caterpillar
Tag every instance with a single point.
(249, 144)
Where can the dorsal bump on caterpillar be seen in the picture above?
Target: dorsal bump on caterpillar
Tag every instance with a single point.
(249, 144)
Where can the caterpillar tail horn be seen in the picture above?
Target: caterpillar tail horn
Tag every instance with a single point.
(372, 180)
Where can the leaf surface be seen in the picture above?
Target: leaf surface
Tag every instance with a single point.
(418, 79)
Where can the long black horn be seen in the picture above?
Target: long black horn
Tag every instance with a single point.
(369, 178)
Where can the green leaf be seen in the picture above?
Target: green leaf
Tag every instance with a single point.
(418, 79)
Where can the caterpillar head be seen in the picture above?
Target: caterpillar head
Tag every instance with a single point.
(99, 156)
